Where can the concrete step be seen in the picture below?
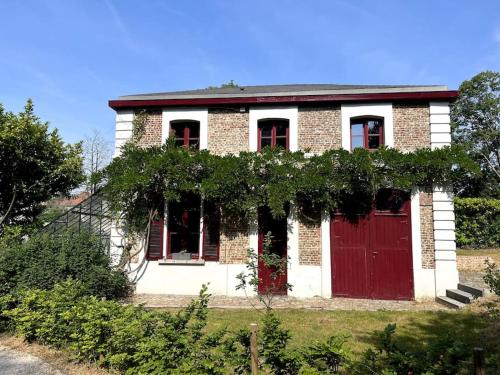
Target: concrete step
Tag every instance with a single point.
(450, 302)
(476, 292)
(459, 295)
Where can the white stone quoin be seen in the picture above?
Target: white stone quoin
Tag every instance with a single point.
(446, 273)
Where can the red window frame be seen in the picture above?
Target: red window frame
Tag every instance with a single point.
(187, 131)
(274, 124)
(364, 121)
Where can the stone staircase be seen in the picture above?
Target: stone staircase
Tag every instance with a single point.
(463, 295)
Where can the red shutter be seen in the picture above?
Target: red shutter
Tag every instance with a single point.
(155, 245)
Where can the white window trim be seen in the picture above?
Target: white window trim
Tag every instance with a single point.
(200, 115)
(286, 113)
(377, 109)
(196, 114)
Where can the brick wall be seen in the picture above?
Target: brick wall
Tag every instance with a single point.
(319, 129)
(227, 131)
(472, 262)
(152, 130)
(310, 243)
(427, 230)
(411, 126)
(234, 243)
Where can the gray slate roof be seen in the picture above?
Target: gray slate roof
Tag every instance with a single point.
(283, 90)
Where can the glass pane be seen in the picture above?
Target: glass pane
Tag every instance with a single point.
(373, 141)
(179, 141)
(265, 142)
(177, 130)
(194, 143)
(357, 129)
(390, 200)
(184, 224)
(175, 243)
(281, 141)
(374, 126)
(281, 128)
(266, 130)
(194, 130)
(193, 243)
(357, 142)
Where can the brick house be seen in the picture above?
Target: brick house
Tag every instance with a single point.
(405, 255)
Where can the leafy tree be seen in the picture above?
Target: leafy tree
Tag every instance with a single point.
(35, 164)
(475, 120)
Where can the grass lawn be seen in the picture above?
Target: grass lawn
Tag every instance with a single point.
(412, 326)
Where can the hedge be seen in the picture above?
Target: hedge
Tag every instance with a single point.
(47, 259)
(477, 222)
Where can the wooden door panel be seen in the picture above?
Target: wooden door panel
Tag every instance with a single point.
(349, 262)
(372, 258)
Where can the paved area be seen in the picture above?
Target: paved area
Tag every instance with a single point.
(13, 362)
(316, 303)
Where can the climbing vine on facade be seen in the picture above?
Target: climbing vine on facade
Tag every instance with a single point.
(139, 182)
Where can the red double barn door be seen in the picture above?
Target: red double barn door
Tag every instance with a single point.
(372, 256)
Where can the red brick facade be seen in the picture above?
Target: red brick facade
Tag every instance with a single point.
(427, 230)
(310, 243)
(227, 131)
(411, 126)
(152, 130)
(319, 129)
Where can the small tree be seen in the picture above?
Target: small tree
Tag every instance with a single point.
(35, 164)
(475, 120)
(96, 155)
(275, 263)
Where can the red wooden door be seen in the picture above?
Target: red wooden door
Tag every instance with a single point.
(372, 257)
(349, 262)
(271, 281)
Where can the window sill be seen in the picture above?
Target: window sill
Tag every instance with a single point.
(176, 262)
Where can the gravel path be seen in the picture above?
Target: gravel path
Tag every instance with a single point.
(13, 362)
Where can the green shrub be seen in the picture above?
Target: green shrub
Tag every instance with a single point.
(492, 277)
(445, 356)
(133, 340)
(45, 260)
(477, 222)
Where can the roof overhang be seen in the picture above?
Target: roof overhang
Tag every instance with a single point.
(445, 95)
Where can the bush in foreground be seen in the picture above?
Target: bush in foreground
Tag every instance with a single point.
(134, 340)
(45, 260)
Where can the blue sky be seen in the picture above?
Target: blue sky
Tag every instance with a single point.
(71, 57)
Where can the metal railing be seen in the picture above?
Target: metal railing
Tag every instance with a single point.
(91, 215)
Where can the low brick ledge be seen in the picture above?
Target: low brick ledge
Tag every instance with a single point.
(472, 262)
(314, 303)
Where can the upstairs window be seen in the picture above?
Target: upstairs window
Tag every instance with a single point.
(367, 133)
(273, 133)
(186, 133)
